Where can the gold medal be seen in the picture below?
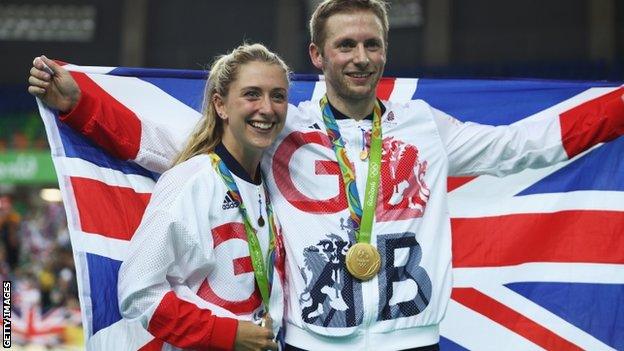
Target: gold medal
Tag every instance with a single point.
(363, 261)
(363, 154)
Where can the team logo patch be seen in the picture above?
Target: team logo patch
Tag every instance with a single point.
(404, 191)
(328, 298)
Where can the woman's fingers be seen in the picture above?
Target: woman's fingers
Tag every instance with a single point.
(40, 74)
(36, 91)
(34, 81)
(50, 65)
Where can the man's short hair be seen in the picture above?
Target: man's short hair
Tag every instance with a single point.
(329, 8)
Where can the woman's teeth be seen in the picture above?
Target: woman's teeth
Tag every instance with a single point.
(261, 125)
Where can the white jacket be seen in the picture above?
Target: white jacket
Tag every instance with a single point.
(189, 259)
(402, 306)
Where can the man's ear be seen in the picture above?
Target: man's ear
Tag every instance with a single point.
(316, 56)
(219, 105)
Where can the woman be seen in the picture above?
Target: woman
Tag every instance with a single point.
(199, 273)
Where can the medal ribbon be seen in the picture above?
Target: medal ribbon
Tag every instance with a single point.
(263, 276)
(362, 218)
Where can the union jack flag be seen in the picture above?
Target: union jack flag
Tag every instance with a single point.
(538, 256)
(31, 325)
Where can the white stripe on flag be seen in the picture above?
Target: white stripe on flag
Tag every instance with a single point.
(404, 89)
(152, 105)
(77, 167)
(125, 335)
(543, 317)
(466, 327)
(116, 249)
(89, 69)
(319, 89)
(586, 200)
(592, 273)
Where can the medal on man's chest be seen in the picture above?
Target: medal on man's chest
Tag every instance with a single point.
(363, 261)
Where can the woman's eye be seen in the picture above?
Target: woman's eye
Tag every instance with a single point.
(279, 97)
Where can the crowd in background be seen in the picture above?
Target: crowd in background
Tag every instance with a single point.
(36, 256)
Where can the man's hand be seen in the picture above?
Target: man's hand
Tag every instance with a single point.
(58, 90)
(251, 337)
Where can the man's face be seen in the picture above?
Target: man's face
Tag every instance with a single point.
(353, 55)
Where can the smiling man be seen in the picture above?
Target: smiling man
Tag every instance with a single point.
(363, 200)
(359, 184)
(350, 49)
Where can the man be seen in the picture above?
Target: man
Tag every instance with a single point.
(390, 291)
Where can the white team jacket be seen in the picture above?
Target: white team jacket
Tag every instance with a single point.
(402, 306)
(192, 241)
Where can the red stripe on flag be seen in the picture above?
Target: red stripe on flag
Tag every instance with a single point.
(154, 345)
(595, 121)
(112, 211)
(104, 120)
(385, 87)
(455, 182)
(567, 236)
(510, 319)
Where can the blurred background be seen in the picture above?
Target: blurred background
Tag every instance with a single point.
(548, 39)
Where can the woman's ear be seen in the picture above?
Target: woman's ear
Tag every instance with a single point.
(219, 104)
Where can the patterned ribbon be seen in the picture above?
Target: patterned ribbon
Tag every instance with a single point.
(264, 277)
(361, 218)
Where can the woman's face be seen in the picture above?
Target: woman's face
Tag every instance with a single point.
(254, 110)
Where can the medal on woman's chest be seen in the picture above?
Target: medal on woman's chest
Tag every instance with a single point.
(260, 263)
(363, 155)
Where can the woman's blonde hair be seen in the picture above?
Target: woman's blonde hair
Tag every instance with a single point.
(224, 70)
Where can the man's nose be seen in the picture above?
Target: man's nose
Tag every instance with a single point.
(361, 56)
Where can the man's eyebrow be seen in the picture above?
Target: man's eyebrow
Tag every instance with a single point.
(345, 41)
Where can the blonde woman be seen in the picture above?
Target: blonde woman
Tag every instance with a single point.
(200, 272)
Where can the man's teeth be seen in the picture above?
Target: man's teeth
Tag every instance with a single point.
(261, 125)
(359, 75)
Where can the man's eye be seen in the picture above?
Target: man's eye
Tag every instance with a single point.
(346, 45)
(373, 45)
(252, 94)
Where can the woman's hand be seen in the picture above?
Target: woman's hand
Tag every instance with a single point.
(251, 337)
(58, 90)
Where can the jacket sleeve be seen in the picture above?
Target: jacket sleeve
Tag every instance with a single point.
(533, 142)
(163, 254)
(125, 133)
